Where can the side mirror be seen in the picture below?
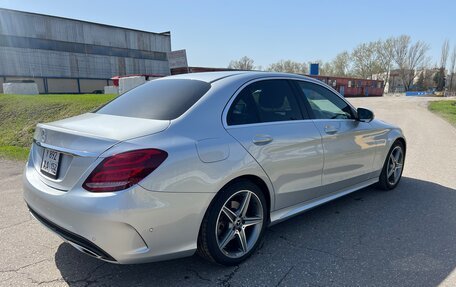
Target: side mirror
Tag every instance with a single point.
(365, 115)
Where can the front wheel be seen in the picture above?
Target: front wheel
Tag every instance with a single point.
(393, 167)
(234, 224)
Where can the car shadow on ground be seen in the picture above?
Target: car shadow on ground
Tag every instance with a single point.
(403, 237)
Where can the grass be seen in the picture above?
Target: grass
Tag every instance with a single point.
(446, 109)
(19, 115)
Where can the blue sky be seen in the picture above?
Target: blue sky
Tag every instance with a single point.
(215, 32)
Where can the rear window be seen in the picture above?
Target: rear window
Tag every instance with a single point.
(157, 100)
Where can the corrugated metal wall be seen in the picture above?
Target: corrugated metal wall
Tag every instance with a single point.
(61, 29)
(43, 62)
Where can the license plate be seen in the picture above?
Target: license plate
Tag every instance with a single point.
(50, 163)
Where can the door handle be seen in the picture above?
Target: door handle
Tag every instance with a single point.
(262, 139)
(329, 129)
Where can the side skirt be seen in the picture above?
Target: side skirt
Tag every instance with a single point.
(285, 213)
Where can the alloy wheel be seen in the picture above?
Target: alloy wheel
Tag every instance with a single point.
(239, 224)
(395, 165)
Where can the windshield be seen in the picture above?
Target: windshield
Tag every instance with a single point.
(158, 99)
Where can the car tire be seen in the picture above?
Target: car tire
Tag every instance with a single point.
(393, 167)
(230, 233)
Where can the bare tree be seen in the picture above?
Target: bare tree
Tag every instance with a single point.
(327, 69)
(452, 68)
(408, 58)
(341, 64)
(288, 66)
(244, 63)
(365, 60)
(443, 60)
(385, 57)
(444, 54)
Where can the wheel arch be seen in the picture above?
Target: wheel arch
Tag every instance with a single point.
(258, 181)
(393, 136)
(403, 142)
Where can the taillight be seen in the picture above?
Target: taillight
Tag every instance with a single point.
(123, 170)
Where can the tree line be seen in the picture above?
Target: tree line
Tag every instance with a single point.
(377, 59)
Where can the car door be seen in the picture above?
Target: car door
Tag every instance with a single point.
(349, 144)
(268, 122)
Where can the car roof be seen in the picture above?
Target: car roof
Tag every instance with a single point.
(211, 77)
(206, 76)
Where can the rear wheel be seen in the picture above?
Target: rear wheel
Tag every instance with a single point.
(393, 167)
(234, 224)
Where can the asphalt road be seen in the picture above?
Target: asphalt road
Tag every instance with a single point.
(406, 237)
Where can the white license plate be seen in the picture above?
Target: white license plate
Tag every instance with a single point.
(50, 163)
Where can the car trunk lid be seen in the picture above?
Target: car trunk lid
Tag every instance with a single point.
(80, 140)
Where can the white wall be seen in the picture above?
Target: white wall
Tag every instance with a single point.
(20, 88)
(128, 83)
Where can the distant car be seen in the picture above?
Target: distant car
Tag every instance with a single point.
(203, 162)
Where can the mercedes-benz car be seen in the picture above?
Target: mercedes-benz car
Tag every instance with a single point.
(203, 162)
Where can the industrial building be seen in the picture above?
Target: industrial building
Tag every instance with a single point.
(353, 87)
(71, 56)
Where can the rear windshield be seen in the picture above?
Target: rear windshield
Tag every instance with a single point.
(157, 99)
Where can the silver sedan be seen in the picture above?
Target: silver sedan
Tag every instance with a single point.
(203, 162)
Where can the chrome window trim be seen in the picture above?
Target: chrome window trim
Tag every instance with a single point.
(276, 123)
(297, 78)
(287, 122)
(339, 120)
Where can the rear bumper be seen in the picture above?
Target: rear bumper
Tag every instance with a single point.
(130, 226)
(79, 242)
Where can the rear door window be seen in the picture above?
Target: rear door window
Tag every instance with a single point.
(264, 101)
(158, 99)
